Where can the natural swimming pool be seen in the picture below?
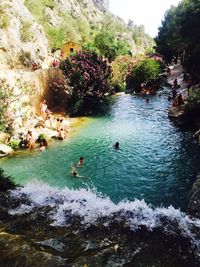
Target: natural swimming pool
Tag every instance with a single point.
(156, 161)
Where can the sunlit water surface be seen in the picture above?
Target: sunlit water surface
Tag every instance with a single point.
(156, 161)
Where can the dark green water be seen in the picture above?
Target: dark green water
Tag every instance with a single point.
(156, 161)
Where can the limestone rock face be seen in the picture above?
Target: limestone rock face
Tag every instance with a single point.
(77, 9)
(22, 39)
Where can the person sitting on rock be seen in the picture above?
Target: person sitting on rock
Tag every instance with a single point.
(61, 134)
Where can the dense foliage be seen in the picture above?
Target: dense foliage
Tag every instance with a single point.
(192, 106)
(88, 75)
(109, 46)
(145, 71)
(179, 35)
(120, 67)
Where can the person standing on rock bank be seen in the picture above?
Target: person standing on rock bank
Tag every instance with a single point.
(43, 108)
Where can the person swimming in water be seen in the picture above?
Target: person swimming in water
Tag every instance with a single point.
(116, 145)
(80, 162)
(75, 173)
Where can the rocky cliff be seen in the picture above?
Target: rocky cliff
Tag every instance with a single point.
(22, 39)
(29, 29)
(28, 32)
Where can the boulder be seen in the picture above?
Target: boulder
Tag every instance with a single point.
(5, 150)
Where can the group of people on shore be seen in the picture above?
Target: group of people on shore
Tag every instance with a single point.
(29, 142)
(178, 99)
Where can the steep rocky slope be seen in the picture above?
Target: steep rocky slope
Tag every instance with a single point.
(22, 39)
(28, 32)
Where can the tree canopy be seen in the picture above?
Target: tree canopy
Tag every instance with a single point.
(179, 35)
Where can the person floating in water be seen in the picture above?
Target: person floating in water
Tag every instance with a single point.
(116, 145)
(80, 162)
(75, 173)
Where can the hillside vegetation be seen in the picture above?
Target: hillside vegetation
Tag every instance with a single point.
(89, 23)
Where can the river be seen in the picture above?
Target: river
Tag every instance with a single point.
(156, 160)
(129, 211)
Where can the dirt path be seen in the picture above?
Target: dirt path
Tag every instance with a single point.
(177, 73)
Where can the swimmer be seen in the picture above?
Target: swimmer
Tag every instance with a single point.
(80, 162)
(43, 145)
(116, 145)
(75, 173)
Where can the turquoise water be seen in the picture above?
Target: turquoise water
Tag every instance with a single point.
(156, 161)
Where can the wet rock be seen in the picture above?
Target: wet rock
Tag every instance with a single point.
(194, 199)
(5, 150)
(53, 243)
(17, 251)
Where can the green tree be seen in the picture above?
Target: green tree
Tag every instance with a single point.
(109, 46)
(147, 70)
(179, 35)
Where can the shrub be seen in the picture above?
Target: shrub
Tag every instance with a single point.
(68, 30)
(4, 22)
(193, 103)
(25, 58)
(4, 19)
(14, 144)
(120, 67)
(42, 137)
(49, 3)
(26, 34)
(147, 70)
(88, 75)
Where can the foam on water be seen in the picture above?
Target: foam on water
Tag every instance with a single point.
(91, 206)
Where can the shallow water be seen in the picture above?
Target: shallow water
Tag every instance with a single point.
(156, 161)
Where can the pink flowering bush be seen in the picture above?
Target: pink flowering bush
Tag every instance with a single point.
(88, 76)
